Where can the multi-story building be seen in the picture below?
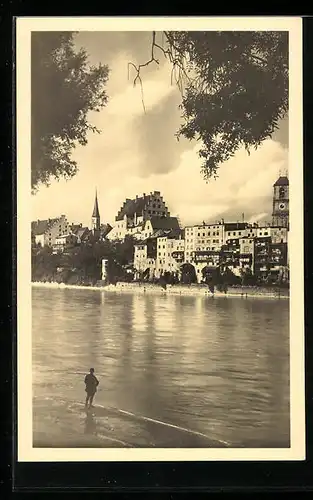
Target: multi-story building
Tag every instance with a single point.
(45, 232)
(160, 225)
(205, 259)
(81, 232)
(64, 242)
(270, 259)
(236, 230)
(162, 251)
(134, 213)
(204, 237)
(169, 254)
(278, 234)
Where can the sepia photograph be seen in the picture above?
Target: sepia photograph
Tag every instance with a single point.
(160, 239)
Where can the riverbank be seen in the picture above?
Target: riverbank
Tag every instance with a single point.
(198, 290)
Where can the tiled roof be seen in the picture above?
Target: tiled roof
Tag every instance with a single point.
(105, 229)
(82, 231)
(131, 207)
(75, 227)
(233, 226)
(282, 181)
(164, 223)
(42, 226)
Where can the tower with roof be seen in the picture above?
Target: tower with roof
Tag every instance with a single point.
(95, 218)
(280, 214)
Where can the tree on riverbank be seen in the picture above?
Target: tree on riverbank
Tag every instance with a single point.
(188, 273)
(83, 263)
(65, 88)
(234, 87)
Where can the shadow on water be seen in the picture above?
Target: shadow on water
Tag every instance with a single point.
(90, 424)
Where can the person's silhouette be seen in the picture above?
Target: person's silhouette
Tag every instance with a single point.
(91, 383)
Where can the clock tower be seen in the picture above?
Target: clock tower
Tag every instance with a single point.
(280, 215)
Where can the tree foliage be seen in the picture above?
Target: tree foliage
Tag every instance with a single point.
(188, 273)
(64, 89)
(234, 87)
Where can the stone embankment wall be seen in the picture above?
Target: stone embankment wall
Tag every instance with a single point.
(203, 290)
(198, 290)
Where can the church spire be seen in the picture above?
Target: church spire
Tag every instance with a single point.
(95, 212)
(95, 218)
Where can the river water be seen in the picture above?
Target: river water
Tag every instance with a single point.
(174, 371)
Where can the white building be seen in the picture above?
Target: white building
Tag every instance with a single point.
(170, 255)
(65, 241)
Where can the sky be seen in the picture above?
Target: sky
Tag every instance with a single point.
(137, 151)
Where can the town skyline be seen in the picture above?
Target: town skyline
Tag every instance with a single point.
(137, 151)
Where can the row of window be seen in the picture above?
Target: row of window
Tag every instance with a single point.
(215, 233)
(199, 228)
(154, 212)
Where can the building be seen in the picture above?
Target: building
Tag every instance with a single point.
(145, 255)
(162, 251)
(82, 233)
(204, 237)
(157, 225)
(45, 232)
(280, 214)
(134, 213)
(278, 234)
(170, 249)
(208, 259)
(236, 230)
(64, 242)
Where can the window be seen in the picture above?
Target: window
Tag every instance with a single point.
(239, 233)
(228, 234)
(281, 192)
(203, 234)
(213, 233)
(209, 234)
(234, 234)
(198, 234)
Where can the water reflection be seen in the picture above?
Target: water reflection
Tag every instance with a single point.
(219, 366)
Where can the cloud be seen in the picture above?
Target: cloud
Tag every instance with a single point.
(137, 152)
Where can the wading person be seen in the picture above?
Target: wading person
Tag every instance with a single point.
(91, 383)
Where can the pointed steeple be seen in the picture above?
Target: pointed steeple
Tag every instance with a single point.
(95, 212)
(95, 218)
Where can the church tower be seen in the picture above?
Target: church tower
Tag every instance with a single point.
(280, 215)
(95, 218)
